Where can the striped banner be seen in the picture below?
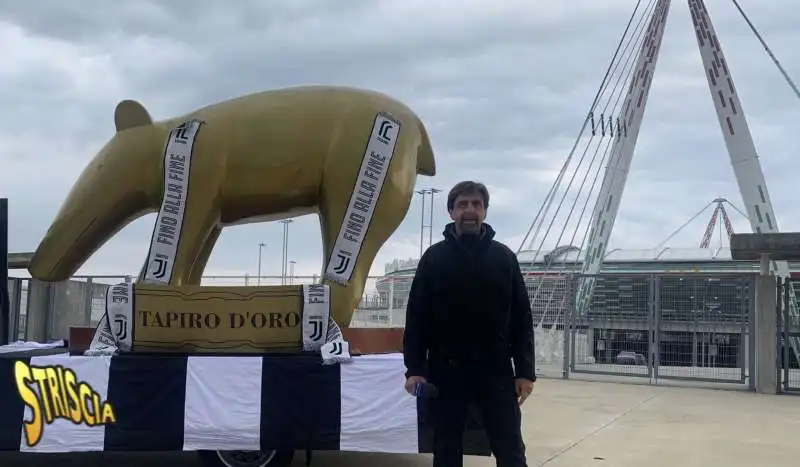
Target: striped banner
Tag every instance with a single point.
(61, 403)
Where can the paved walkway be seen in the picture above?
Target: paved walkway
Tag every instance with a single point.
(583, 424)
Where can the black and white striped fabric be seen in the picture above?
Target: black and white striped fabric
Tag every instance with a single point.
(230, 403)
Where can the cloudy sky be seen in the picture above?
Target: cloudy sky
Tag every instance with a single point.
(503, 87)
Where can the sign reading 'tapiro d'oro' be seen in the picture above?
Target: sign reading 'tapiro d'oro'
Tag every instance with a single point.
(217, 319)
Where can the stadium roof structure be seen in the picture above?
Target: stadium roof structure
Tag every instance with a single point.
(571, 254)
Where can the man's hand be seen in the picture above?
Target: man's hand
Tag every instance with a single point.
(523, 388)
(412, 382)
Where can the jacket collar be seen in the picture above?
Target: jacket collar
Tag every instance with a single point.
(484, 238)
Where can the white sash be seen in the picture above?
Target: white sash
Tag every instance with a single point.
(364, 198)
(320, 331)
(163, 244)
(316, 313)
(371, 177)
(115, 330)
(169, 223)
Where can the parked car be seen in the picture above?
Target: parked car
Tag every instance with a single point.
(630, 358)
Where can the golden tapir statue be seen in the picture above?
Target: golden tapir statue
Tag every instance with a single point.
(262, 157)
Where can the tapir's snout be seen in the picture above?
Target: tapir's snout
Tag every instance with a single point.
(100, 204)
(80, 228)
(118, 186)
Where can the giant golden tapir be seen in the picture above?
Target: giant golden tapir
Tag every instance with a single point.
(261, 157)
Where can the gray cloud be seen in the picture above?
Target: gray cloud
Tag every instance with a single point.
(502, 86)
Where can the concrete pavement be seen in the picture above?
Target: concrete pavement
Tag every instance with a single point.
(583, 424)
(619, 425)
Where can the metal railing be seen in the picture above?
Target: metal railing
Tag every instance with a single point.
(42, 311)
(690, 326)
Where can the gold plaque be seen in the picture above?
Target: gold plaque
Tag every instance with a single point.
(217, 319)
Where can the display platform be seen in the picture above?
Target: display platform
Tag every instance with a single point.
(62, 403)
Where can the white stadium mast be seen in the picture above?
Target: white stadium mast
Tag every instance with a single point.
(617, 129)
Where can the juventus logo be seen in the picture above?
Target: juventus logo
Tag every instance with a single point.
(344, 262)
(121, 328)
(180, 133)
(336, 348)
(316, 329)
(159, 265)
(383, 131)
(118, 299)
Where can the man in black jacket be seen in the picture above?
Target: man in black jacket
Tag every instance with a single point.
(468, 319)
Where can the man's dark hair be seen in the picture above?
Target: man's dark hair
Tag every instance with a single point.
(467, 187)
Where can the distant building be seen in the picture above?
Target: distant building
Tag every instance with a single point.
(699, 288)
(618, 261)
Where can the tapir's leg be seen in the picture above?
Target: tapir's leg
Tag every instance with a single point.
(202, 212)
(390, 210)
(196, 274)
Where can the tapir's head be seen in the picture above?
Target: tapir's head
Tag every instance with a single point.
(115, 188)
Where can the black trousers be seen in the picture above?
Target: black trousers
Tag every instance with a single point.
(496, 401)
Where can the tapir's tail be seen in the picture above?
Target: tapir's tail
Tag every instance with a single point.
(426, 163)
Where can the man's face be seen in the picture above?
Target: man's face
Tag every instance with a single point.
(468, 213)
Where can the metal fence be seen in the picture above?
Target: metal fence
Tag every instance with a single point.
(788, 328)
(692, 327)
(44, 311)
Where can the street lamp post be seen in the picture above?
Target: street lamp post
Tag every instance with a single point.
(260, 247)
(423, 192)
(430, 224)
(422, 221)
(291, 272)
(285, 223)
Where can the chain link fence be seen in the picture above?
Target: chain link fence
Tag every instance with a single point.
(788, 328)
(613, 335)
(692, 327)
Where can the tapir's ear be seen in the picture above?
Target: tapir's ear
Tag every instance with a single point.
(130, 114)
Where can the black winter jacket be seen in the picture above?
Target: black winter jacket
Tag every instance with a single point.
(468, 307)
